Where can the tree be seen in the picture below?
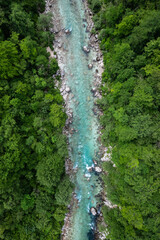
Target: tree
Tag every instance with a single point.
(20, 21)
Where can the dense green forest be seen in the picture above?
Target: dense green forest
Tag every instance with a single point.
(34, 190)
(129, 32)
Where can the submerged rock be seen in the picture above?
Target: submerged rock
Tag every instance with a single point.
(86, 49)
(68, 30)
(90, 66)
(98, 59)
(95, 111)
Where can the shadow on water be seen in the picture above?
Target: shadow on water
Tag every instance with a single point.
(91, 233)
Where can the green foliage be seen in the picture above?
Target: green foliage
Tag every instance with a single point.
(64, 192)
(132, 216)
(129, 34)
(44, 24)
(147, 30)
(96, 5)
(20, 21)
(27, 203)
(9, 60)
(125, 27)
(32, 146)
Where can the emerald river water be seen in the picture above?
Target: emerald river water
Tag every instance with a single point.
(83, 143)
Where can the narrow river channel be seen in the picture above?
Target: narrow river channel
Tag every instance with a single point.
(79, 69)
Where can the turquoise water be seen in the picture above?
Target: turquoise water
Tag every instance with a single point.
(83, 143)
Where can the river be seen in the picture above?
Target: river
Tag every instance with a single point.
(80, 72)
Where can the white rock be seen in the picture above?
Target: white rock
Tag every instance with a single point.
(93, 211)
(98, 169)
(68, 89)
(90, 66)
(86, 49)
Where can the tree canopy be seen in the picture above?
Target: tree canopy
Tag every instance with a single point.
(129, 35)
(32, 146)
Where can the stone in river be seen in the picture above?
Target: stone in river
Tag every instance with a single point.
(98, 169)
(97, 59)
(68, 89)
(95, 162)
(93, 211)
(93, 90)
(94, 111)
(90, 66)
(89, 169)
(86, 49)
(68, 31)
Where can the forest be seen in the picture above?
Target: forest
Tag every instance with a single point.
(129, 32)
(34, 190)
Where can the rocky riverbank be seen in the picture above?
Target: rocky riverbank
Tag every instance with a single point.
(97, 65)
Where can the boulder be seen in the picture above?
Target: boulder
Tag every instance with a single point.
(68, 90)
(93, 211)
(98, 169)
(86, 49)
(93, 90)
(90, 66)
(89, 169)
(68, 31)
